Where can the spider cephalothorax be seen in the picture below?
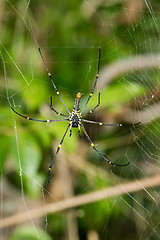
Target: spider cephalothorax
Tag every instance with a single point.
(75, 117)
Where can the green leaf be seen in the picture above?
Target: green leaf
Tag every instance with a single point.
(4, 146)
(29, 159)
(30, 233)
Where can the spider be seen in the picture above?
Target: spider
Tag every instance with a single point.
(75, 118)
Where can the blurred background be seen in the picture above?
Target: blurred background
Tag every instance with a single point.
(69, 34)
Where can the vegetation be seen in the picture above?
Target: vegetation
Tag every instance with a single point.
(69, 34)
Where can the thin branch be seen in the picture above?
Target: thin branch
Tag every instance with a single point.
(147, 115)
(135, 186)
(67, 188)
(131, 13)
(126, 65)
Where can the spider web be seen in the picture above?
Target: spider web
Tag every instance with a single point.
(111, 202)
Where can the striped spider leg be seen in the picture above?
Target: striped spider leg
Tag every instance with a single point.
(39, 120)
(91, 111)
(110, 124)
(58, 148)
(47, 121)
(97, 75)
(50, 76)
(92, 144)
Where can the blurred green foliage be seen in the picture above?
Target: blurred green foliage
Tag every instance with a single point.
(28, 233)
(69, 39)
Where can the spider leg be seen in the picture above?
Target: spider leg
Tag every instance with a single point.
(79, 130)
(58, 113)
(70, 129)
(38, 120)
(50, 76)
(91, 111)
(97, 75)
(59, 147)
(109, 124)
(93, 146)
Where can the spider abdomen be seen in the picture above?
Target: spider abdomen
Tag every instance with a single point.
(75, 121)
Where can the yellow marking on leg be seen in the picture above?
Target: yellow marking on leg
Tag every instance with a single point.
(120, 124)
(58, 113)
(49, 169)
(97, 75)
(100, 124)
(91, 94)
(59, 146)
(57, 92)
(48, 120)
(110, 162)
(49, 74)
(92, 144)
(90, 111)
(28, 118)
